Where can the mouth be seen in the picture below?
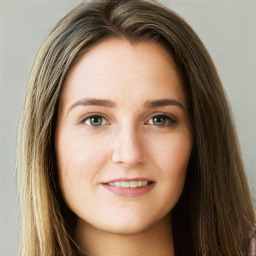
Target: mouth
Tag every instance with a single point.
(130, 184)
(129, 188)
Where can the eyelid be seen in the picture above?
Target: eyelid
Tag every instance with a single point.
(89, 115)
(172, 119)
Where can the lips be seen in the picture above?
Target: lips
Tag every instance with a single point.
(130, 184)
(129, 187)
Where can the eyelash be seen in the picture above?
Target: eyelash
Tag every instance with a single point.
(168, 120)
(94, 115)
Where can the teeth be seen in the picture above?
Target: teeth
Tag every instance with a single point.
(130, 184)
(124, 184)
(133, 184)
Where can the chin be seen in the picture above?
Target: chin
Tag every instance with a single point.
(133, 224)
(128, 229)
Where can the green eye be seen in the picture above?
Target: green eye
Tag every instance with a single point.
(161, 120)
(95, 120)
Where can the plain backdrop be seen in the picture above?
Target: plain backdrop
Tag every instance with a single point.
(228, 29)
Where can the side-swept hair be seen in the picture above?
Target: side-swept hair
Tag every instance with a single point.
(215, 212)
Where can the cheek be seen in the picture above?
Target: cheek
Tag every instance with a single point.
(171, 156)
(76, 153)
(172, 153)
(78, 164)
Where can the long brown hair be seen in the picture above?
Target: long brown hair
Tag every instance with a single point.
(215, 212)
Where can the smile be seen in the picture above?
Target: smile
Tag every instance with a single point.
(129, 188)
(130, 184)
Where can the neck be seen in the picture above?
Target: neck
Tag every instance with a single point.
(154, 241)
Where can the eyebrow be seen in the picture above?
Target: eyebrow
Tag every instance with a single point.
(94, 102)
(112, 104)
(164, 102)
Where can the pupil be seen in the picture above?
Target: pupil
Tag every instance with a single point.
(159, 120)
(96, 120)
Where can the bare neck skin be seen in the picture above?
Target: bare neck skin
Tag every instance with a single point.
(157, 240)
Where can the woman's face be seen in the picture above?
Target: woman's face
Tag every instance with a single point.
(123, 137)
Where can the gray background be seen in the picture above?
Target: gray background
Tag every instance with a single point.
(228, 29)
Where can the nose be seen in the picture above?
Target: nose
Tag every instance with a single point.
(128, 147)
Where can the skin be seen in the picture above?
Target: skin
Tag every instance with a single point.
(128, 143)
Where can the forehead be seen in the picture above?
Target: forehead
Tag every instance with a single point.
(117, 67)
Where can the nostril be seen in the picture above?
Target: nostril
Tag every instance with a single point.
(127, 148)
(128, 159)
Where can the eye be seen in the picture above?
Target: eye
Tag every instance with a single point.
(95, 120)
(161, 120)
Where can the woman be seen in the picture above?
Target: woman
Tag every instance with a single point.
(126, 141)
